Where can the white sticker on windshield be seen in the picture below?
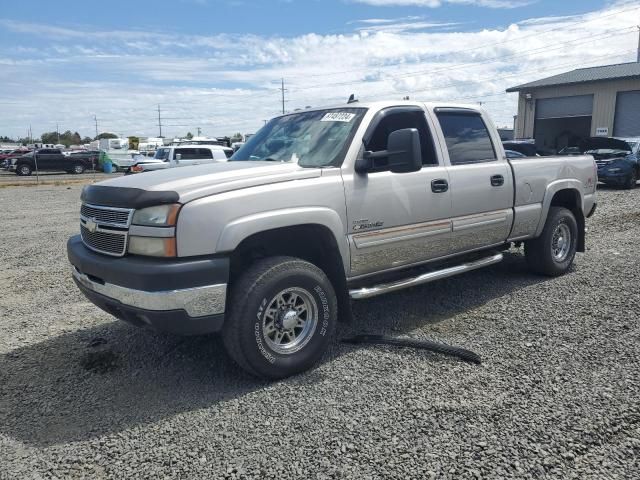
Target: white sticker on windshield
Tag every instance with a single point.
(338, 117)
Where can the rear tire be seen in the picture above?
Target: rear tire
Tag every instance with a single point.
(553, 252)
(23, 170)
(282, 313)
(631, 181)
(78, 169)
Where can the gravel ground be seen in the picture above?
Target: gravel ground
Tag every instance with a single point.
(52, 177)
(84, 396)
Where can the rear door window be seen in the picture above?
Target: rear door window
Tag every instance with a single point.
(467, 137)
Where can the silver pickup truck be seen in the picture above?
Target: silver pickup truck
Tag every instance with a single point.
(319, 208)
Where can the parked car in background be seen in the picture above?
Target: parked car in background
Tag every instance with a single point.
(13, 153)
(570, 151)
(617, 163)
(319, 207)
(182, 156)
(514, 154)
(48, 160)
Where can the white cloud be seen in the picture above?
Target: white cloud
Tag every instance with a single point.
(226, 83)
(438, 3)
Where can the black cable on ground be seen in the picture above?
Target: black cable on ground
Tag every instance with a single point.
(430, 345)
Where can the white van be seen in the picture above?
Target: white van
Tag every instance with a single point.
(182, 156)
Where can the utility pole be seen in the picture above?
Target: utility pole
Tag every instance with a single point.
(95, 119)
(58, 132)
(199, 130)
(159, 122)
(283, 90)
(638, 58)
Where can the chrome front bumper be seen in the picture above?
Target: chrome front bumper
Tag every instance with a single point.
(196, 302)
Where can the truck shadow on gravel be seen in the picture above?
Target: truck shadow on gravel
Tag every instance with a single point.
(102, 380)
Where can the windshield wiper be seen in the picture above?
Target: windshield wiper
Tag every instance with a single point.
(271, 159)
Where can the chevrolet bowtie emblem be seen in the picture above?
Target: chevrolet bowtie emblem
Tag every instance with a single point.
(91, 226)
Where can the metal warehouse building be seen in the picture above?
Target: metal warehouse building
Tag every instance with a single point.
(561, 110)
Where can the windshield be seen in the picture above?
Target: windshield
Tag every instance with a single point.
(162, 154)
(312, 139)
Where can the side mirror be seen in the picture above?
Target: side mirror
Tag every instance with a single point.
(403, 148)
(178, 157)
(403, 153)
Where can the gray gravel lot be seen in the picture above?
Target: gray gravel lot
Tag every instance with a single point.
(84, 396)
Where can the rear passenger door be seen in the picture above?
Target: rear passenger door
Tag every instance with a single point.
(481, 184)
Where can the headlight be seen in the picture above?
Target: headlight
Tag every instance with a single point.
(160, 216)
(152, 246)
(152, 231)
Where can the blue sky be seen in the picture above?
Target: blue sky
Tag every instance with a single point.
(216, 64)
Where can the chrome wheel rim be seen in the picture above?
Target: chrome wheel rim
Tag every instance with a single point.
(24, 170)
(290, 320)
(78, 169)
(561, 242)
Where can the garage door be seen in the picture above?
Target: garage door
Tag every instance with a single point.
(627, 123)
(562, 107)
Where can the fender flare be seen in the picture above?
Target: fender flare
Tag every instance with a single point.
(242, 228)
(553, 188)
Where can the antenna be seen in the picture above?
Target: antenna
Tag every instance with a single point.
(352, 99)
(283, 90)
(159, 122)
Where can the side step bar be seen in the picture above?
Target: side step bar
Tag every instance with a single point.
(376, 290)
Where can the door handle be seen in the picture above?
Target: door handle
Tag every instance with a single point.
(439, 186)
(497, 180)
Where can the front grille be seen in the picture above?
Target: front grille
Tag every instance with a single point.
(112, 242)
(107, 215)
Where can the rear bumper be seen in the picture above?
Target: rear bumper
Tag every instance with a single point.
(178, 296)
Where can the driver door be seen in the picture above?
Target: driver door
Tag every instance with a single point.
(398, 219)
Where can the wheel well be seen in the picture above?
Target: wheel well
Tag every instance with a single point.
(311, 242)
(570, 199)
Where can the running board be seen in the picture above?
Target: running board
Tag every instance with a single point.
(376, 290)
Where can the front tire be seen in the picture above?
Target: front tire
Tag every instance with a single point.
(282, 314)
(553, 252)
(78, 169)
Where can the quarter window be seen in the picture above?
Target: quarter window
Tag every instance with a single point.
(467, 137)
(204, 153)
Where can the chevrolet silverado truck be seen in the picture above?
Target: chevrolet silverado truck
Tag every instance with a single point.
(319, 208)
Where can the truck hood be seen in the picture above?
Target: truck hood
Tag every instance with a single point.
(190, 183)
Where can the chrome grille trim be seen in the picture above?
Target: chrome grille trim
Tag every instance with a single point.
(112, 216)
(111, 233)
(107, 241)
